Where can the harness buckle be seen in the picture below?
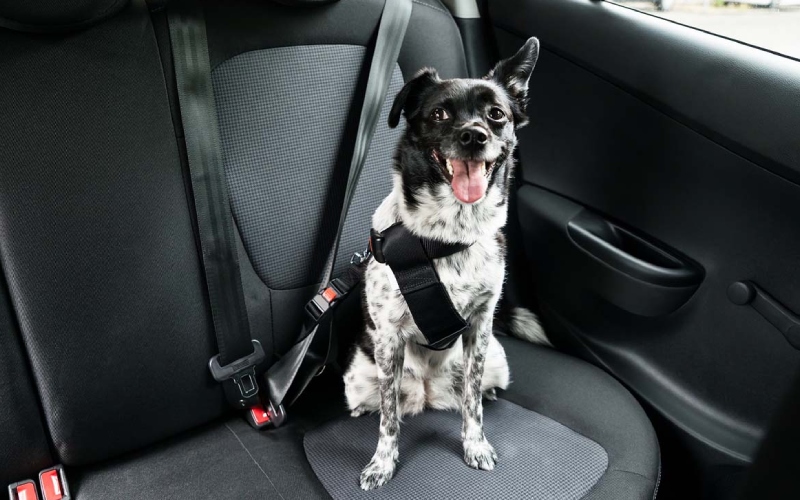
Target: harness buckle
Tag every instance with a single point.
(376, 245)
(322, 302)
(242, 372)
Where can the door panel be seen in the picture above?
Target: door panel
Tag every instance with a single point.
(661, 166)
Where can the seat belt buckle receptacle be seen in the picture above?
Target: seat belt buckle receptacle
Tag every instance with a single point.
(242, 372)
(23, 490)
(261, 416)
(53, 484)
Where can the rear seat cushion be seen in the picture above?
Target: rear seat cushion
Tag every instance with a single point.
(577, 413)
(98, 251)
(538, 457)
(592, 403)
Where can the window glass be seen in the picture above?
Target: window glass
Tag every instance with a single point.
(770, 24)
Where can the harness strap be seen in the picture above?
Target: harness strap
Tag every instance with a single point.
(411, 261)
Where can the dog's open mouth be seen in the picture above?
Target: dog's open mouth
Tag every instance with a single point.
(468, 178)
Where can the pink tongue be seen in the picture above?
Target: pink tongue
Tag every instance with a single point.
(469, 184)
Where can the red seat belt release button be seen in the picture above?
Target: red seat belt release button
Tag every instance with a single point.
(260, 416)
(329, 294)
(23, 490)
(53, 484)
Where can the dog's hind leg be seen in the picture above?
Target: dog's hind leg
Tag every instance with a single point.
(361, 384)
(389, 355)
(478, 453)
(495, 371)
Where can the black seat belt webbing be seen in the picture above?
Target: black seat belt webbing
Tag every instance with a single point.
(292, 373)
(238, 352)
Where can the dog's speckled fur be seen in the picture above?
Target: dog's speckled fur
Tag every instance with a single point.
(389, 371)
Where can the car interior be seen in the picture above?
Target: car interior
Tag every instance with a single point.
(653, 227)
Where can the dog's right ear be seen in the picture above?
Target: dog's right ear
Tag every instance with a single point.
(407, 99)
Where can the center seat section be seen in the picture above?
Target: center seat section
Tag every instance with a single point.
(105, 281)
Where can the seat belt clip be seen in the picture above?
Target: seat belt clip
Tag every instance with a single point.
(53, 483)
(242, 372)
(260, 416)
(23, 490)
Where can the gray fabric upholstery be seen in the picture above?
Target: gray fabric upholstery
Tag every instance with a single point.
(592, 403)
(538, 457)
(567, 401)
(227, 460)
(238, 26)
(282, 115)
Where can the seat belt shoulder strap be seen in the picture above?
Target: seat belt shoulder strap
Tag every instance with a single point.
(238, 352)
(292, 373)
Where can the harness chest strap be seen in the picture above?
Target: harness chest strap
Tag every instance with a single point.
(411, 260)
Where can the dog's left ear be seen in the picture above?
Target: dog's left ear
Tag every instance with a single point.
(514, 73)
(407, 99)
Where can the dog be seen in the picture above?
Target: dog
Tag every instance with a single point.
(452, 174)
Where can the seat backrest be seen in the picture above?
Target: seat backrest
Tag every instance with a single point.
(286, 81)
(23, 441)
(107, 308)
(96, 239)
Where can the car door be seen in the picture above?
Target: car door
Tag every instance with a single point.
(659, 211)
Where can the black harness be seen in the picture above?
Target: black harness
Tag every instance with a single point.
(411, 260)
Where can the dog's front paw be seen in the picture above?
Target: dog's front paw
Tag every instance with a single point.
(479, 454)
(358, 411)
(377, 473)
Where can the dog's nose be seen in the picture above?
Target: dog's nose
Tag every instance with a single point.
(473, 135)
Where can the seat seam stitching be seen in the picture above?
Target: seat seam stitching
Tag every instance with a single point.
(430, 6)
(255, 461)
(631, 472)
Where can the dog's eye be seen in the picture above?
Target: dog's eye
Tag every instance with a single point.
(496, 114)
(439, 115)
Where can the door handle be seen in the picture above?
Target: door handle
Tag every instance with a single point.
(628, 253)
(743, 293)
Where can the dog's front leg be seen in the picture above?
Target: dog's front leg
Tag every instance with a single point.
(478, 453)
(389, 354)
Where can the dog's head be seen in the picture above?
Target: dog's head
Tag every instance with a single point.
(461, 132)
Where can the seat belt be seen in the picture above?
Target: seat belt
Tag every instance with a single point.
(287, 378)
(239, 354)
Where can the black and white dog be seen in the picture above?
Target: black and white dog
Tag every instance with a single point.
(452, 172)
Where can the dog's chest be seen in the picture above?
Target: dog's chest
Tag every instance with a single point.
(473, 279)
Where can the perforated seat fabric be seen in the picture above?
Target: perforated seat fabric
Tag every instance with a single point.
(538, 457)
(563, 430)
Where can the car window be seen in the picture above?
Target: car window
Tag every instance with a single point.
(770, 24)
